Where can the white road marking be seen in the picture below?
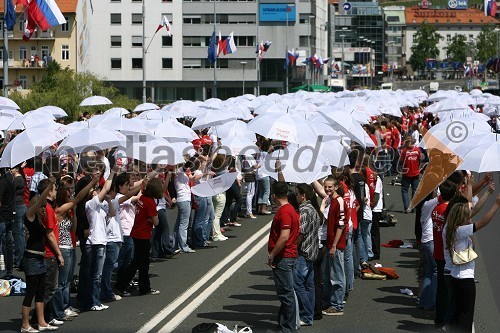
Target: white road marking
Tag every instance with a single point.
(184, 313)
(165, 312)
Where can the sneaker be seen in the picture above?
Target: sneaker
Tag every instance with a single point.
(96, 308)
(332, 312)
(75, 310)
(47, 328)
(189, 251)
(55, 322)
(235, 224)
(151, 292)
(69, 313)
(113, 298)
(123, 293)
(302, 323)
(220, 239)
(251, 216)
(104, 307)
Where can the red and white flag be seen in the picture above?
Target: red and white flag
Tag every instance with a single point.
(165, 23)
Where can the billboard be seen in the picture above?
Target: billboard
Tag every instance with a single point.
(277, 12)
(457, 4)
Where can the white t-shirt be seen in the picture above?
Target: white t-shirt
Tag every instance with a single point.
(367, 211)
(97, 213)
(182, 186)
(126, 215)
(107, 170)
(324, 227)
(261, 172)
(114, 232)
(379, 189)
(426, 220)
(416, 136)
(462, 242)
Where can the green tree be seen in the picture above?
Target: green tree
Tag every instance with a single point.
(487, 43)
(457, 49)
(66, 89)
(424, 46)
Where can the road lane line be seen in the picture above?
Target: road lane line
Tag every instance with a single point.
(191, 307)
(151, 324)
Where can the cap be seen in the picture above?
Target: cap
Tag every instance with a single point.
(206, 140)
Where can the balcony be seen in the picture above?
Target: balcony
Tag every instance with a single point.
(25, 65)
(37, 35)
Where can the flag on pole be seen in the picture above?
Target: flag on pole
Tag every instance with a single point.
(230, 46)
(291, 57)
(10, 16)
(45, 13)
(212, 53)
(490, 8)
(467, 71)
(262, 48)
(165, 23)
(221, 45)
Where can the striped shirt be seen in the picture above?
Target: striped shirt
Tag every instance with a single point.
(310, 222)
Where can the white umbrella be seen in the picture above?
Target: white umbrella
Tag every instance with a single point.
(172, 129)
(32, 142)
(92, 139)
(182, 109)
(116, 112)
(160, 151)
(123, 125)
(7, 103)
(5, 122)
(334, 153)
(232, 129)
(146, 107)
(475, 92)
(284, 126)
(56, 111)
(215, 185)
(212, 118)
(31, 120)
(156, 115)
(239, 146)
(10, 113)
(212, 103)
(484, 158)
(344, 122)
(95, 100)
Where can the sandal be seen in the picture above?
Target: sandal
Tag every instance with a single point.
(29, 330)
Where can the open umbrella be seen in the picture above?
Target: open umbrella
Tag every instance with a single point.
(116, 112)
(31, 120)
(215, 185)
(159, 151)
(182, 109)
(95, 100)
(32, 142)
(92, 139)
(285, 127)
(7, 103)
(146, 107)
(56, 111)
(345, 123)
(484, 158)
(10, 113)
(172, 129)
(212, 118)
(123, 125)
(5, 122)
(239, 146)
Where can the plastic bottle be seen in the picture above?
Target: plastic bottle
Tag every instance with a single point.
(2, 266)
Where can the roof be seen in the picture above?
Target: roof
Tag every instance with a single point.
(66, 6)
(471, 16)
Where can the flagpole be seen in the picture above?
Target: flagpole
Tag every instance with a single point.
(257, 66)
(214, 93)
(5, 53)
(143, 52)
(286, 45)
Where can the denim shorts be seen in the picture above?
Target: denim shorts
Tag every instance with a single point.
(34, 265)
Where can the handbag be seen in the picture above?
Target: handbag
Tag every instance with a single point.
(464, 256)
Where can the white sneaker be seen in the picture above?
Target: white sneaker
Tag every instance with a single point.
(74, 309)
(55, 322)
(70, 313)
(96, 308)
(104, 307)
(113, 298)
(219, 239)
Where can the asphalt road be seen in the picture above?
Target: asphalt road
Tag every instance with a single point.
(230, 283)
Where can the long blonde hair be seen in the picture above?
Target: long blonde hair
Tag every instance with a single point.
(459, 215)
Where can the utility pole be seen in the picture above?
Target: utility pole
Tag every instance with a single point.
(5, 54)
(143, 52)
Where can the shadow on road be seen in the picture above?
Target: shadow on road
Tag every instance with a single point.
(410, 326)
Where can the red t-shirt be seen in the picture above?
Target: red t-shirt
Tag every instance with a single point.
(396, 138)
(438, 223)
(286, 218)
(336, 220)
(28, 173)
(411, 162)
(50, 222)
(145, 209)
(371, 181)
(387, 138)
(374, 139)
(404, 123)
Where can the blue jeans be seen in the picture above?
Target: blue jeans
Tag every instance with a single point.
(264, 190)
(349, 263)
(406, 182)
(334, 280)
(429, 284)
(83, 297)
(160, 238)
(62, 295)
(363, 226)
(210, 218)
(18, 234)
(98, 253)
(303, 284)
(181, 226)
(126, 254)
(112, 252)
(7, 243)
(283, 281)
(200, 221)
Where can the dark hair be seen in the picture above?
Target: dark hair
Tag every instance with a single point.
(120, 180)
(347, 178)
(448, 190)
(355, 158)
(458, 199)
(280, 189)
(42, 185)
(38, 164)
(292, 200)
(62, 197)
(308, 191)
(154, 189)
(456, 177)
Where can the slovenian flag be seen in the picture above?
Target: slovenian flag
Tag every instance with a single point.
(230, 46)
(165, 23)
(490, 8)
(291, 57)
(45, 13)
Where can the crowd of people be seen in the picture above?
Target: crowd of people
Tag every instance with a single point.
(322, 236)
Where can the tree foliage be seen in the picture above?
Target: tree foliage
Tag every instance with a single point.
(457, 50)
(66, 89)
(424, 46)
(487, 43)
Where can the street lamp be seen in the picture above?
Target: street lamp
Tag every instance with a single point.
(311, 17)
(342, 60)
(372, 63)
(243, 64)
(390, 53)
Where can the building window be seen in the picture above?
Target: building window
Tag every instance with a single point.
(392, 18)
(21, 25)
(116, 41)
(136, 63)
(116, 0)
(136, 18)
(166, 63)
(244, 40)
(116, 63)
(306, 18)
(33, 50)
(65, 26)
(136, 41)
(64, 52)
(169, 17)
(23, 81)
(23, 53)
(45, 52)
(448, 38)
(191, 19)
(166, 41)
(136, 0)
(191, 63)
(191, 41)
(414, 38)
(116, 18)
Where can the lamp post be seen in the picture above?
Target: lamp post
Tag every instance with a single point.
(311, 17)
(361, 59)
(243, 64)
(342, 59)
(390, 52)
(372, 63)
